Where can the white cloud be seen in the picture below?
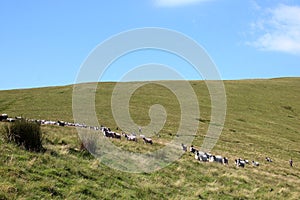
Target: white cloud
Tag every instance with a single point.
(173, 3)
(279, 30)
(255, 5)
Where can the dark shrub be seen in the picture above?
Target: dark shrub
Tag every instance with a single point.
(24, 133)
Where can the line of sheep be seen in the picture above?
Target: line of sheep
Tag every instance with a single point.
(131, 137)
(207, 157)
(5, 118)
(106, 131)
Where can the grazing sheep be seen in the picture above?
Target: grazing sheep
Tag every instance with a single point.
(240, 163)
(131, 137)
(117, 135)
(10, 119)
(218, 159)
(211, 158)
(268, 159)
(3, 117)
(254, 163)
(225, 161)
(109, 134)
(204, 158)
(147, 140)
(61, 123)
(192, 149)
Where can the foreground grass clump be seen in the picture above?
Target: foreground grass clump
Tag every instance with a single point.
(24, 133)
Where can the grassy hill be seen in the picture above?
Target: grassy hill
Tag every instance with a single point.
(262, 120)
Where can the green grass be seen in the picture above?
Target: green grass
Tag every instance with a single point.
(262, 120)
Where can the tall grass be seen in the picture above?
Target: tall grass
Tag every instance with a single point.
(24, 133)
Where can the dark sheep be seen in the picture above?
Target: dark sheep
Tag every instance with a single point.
(147, 140)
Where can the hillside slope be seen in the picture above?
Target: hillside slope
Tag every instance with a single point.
(262, 120)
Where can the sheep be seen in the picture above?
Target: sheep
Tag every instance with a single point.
(225, 161)
(268, 159)
(3, 117)
(192, 149)
(254, 163)
(10, 119)
(131, 137)
(218, 159)
(240, 163)
(61, 123)
(109, 134)
(117, 135)
(203, 158)
(147, 140)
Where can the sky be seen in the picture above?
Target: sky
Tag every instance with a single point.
(44, 43)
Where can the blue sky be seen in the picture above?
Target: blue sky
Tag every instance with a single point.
(44, 43)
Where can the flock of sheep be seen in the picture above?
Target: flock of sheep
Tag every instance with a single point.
(207, 157)
(131, 137)
(199, 155)
(106, 131)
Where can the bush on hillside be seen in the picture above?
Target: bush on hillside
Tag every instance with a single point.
(24, 133)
